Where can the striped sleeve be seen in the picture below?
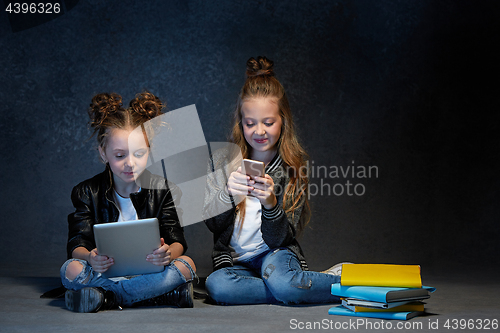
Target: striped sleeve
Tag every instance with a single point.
(222, 260)
(273, 213)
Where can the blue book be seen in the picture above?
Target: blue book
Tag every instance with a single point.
(341, 311)
(382, 294)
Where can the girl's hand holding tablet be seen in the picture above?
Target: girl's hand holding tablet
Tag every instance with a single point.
(161, 256)
(99, 263)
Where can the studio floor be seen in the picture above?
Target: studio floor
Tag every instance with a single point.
(466, 297)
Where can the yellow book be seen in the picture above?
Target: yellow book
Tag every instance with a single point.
(381, 275)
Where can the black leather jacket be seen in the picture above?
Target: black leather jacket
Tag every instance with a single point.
(94, 204)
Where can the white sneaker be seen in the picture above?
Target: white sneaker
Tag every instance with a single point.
(336, 269)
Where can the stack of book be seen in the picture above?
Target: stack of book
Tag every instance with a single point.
(380, 291)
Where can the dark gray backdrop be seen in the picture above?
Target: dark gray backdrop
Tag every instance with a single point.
(407, 86)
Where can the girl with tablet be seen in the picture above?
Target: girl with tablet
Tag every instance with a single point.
(124, 191)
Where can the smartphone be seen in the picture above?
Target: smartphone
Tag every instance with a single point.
(253, 168)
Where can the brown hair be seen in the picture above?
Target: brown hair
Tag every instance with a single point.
(107, 112)
(261, 82)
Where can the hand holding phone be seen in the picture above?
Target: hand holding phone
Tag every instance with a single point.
(263, 187)
(241, 182)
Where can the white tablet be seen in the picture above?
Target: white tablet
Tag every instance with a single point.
(128, 243)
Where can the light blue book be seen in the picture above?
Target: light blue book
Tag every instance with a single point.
(382, 294)
(341, 311)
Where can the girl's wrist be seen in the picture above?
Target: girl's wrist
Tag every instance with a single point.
(271, 206)
(273, 213)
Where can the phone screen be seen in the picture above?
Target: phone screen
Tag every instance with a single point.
(253, 168)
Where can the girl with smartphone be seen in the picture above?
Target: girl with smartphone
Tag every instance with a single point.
(256, 255)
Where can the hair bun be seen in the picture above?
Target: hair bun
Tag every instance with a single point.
(147, 105)
(259, 66)
(102, 106)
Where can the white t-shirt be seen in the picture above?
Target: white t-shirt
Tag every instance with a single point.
(126, 208)
(248, 243)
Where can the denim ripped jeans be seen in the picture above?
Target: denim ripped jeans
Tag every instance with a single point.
(273, 277)
(128, 290)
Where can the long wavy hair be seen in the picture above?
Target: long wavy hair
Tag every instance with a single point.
(261, 83)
